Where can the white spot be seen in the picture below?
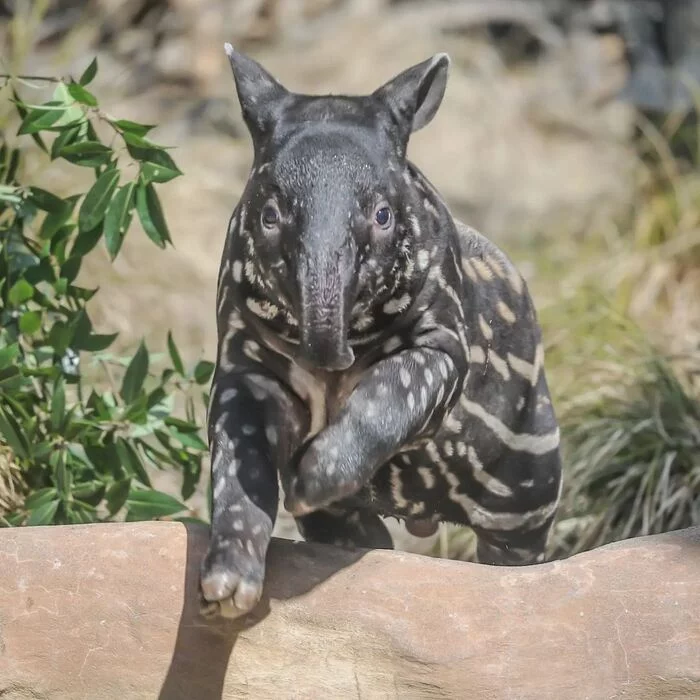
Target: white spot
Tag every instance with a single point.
(271, 434)
(429, 376)
(235, 321)
(395, 306)
(405, 377)
(485, 328)
(444, 371)
(263, 309)
(410, 400)
(499, 364)
(428, 477)
(228, 394)
(452, 424)
(469, 270)
(477, 355)
(482, 269)
(396, 487)
(506, 312)
(237, 270)
(238, 525)
(233, 467)
(252, 350)
(423, 259)
(392, 344)
(248, 429)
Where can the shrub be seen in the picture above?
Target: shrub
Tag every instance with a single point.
(78, 425)
(633, 459)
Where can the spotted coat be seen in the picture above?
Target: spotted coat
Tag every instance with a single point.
(376, 356)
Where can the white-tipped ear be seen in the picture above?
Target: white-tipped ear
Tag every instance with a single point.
(415, 94)
(259, 94)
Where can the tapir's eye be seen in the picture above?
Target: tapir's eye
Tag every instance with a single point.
(270, 216)
(383, 217)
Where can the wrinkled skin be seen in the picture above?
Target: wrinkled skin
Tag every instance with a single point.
(376, 355)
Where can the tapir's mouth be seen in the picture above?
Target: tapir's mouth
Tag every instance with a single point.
(324, 344)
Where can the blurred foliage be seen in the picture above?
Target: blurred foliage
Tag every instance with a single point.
(632, 458)
(70, 451)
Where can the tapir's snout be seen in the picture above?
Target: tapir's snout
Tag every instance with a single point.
(327, 289)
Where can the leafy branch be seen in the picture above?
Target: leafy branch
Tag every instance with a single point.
(76, 452)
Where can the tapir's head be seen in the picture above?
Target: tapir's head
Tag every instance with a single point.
(326, 209)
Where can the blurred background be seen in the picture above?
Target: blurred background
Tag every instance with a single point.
(568, 135)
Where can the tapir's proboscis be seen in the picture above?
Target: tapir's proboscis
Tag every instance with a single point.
(376, 356)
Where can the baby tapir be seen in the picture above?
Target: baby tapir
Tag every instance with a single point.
(380, 357)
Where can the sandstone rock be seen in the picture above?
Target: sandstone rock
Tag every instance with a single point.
(110, 612)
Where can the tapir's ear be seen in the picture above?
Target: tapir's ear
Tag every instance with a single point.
(259, 94)
(416, 94)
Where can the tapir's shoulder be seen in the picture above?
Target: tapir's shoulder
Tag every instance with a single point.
(488, 266)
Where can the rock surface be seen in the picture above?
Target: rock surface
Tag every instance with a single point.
(110, 611)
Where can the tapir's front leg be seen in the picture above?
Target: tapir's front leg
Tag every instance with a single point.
(254, 426)
(400, 400)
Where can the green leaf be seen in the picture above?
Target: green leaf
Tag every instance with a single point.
(151, 215)
(13, 434)
(135, 375)
(96, 201)
(43, 515)
(118, 218)
(87, 153)
(159, 167)
(70, 268)
(126, 125)
(61, 475)
(148, 504)
(30, 322)
(12, 167)
(23, 112)
(7, 354)
(117, 494)
(65, 138)
(188, 440)
(56, 219)
(175, 355)
(131, 461)
(97, 342)
(90, 72)
(46, 200)
(58, 405)
(10, 193)
(20, 292)
(40, 117)
(40, 497)
(80, 94)
(86, 241)
(203, 371)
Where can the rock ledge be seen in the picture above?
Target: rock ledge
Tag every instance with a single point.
(110, 611)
